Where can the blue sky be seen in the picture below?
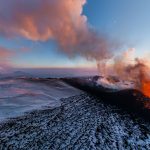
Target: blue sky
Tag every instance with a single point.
(125, 21)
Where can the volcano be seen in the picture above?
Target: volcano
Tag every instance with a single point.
(63, 117)
(122, 94)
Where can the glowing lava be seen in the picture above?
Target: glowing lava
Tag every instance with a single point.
(145, 88)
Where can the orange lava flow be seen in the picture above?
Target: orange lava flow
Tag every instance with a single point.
(146, 88)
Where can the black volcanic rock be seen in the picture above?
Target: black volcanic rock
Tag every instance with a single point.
(84, 121)
(129, 99)
(81, 122)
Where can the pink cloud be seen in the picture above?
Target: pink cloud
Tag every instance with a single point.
(5, 58)
(5, 53)
(60, 20)
(41, 20)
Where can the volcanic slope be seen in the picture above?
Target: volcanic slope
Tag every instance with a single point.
(81, 122)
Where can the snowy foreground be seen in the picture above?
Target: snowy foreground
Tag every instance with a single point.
(81, 121)
(19, 95)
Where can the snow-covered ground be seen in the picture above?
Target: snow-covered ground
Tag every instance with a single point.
(81, 122)
(71, 120)
(22, 95)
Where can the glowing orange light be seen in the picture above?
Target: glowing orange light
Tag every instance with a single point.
(146, 87)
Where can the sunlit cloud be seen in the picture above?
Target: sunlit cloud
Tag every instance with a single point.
(59, 20)
(5, 58)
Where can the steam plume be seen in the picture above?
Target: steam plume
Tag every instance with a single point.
(60, 20)
(64, 22)
(128, 68)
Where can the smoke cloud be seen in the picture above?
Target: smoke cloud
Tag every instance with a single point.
(59, 20)
(64, 22)
(127, 67)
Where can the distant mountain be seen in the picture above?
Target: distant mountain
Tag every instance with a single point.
(16, 74)
(21, 74)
